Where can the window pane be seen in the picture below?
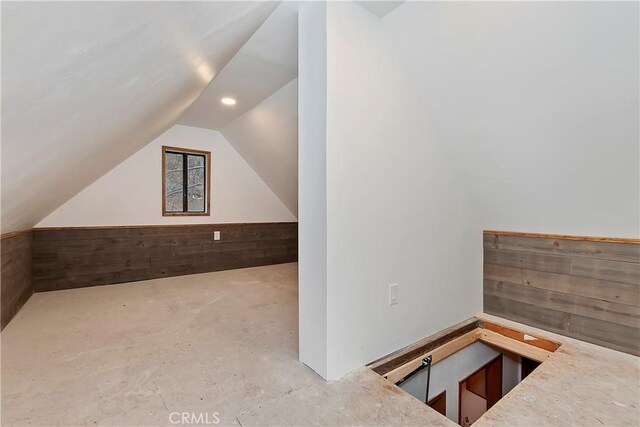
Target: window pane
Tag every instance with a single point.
(173, 182)
(195, 183)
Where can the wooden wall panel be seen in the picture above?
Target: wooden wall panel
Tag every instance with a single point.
(15, 274)
(586, 289)
(80, 257)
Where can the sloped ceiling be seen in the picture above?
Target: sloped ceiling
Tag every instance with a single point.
(267, 137)
(268, 61)
(379, 8)
(263, 125)
(86, 84)
(537, 104)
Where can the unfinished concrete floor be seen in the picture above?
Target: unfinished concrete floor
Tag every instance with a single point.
(222, 342)
(226, 342)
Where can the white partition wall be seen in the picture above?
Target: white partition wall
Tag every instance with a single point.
(386, 203)
(444, 119)
(312, 186)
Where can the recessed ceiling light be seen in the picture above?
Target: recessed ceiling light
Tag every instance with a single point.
(228, 101)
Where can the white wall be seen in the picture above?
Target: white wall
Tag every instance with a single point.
(312, 186)
(447, 374)
(537, 104)
(511, 371)
(131, 193)
(444, 119)
(396, 210)
(266, 136)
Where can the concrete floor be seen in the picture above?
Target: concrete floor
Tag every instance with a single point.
(223, 342)
(226, 343)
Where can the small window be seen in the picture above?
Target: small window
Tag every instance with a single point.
(186, 181)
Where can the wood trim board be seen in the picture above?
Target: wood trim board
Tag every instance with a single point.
(437, 354)
(518, 347)
(564, 237)
(421, 348)
(521, 336)
(136, 226)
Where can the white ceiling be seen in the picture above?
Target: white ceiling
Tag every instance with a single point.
(267, 62)
(263, 125)
(86, 84)
(509, 86)
(267, 138)
(380, 8)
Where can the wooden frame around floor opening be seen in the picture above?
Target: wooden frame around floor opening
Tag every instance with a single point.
(396, 366)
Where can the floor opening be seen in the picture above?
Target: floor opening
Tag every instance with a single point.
(463, 371)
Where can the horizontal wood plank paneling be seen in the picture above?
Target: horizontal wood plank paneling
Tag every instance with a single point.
(16, 281)
(587, 289)
(78, 257)
(624, 314)
(615, 271)
(532, 261)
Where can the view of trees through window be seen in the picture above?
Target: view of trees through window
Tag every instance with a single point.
(195, 187)
(185, 182)
(174, 178)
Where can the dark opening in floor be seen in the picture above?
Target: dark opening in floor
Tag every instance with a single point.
(464, 370)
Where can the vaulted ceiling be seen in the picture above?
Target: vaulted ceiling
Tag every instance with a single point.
(267, 138)
(380, 8)
(263, 125)
(267, 61)
(86, 84)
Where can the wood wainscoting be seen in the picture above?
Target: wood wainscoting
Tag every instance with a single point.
(16, 251)
(586, 288)
(66, 258)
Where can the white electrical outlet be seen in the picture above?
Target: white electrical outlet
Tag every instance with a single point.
(393, 293)
(216, 235)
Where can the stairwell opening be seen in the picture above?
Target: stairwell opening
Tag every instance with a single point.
(464, 370)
